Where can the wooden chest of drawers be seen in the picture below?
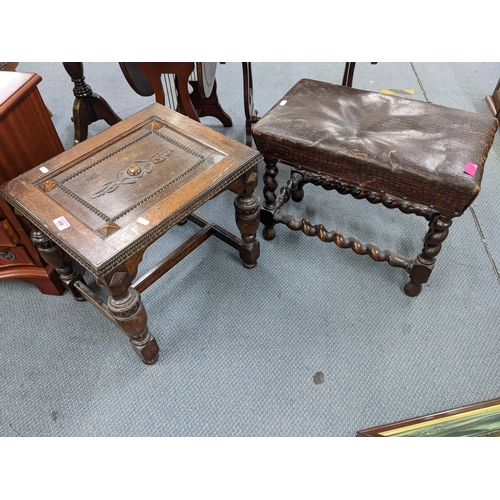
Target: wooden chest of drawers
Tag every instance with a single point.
(27, 138)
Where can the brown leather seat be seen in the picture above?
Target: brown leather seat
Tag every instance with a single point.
(400, 152)
(401, 146)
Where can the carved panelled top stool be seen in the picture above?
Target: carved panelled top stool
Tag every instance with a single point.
(421, 158)
(106, 200)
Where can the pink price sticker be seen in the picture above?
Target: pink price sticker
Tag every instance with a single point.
(470, 169)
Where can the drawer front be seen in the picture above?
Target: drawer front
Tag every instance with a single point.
(8, 237)
(14, 256)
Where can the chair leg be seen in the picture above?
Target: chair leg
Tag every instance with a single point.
(424, 263)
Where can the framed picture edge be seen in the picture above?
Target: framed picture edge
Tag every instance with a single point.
(379, 431)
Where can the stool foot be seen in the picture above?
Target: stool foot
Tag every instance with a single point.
(298, 195)
(269, 233)
(248, 266)
(412, 288)
(147, 350)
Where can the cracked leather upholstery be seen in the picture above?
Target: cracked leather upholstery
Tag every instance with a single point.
(402, 146)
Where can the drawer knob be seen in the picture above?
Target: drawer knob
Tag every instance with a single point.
(7, 255)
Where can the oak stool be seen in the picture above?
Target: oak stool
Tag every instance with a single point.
(419, 157)
(106, 200)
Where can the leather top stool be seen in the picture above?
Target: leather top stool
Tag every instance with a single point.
(419, 157)
(103, 202)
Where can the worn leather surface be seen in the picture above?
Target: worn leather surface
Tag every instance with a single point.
(402, 146)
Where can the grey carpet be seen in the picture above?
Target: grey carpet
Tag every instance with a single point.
(240, 348)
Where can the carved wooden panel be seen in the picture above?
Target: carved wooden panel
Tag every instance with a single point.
(119, 183)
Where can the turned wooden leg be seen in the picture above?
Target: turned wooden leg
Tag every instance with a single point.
(247, 207)
(59, 260)
(269, 205)
(424, 263)
(88, 107)
(128, 311)
(247, 220)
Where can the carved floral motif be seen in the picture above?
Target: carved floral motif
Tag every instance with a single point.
(133, 173)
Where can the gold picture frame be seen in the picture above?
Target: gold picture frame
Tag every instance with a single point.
(479, 419)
